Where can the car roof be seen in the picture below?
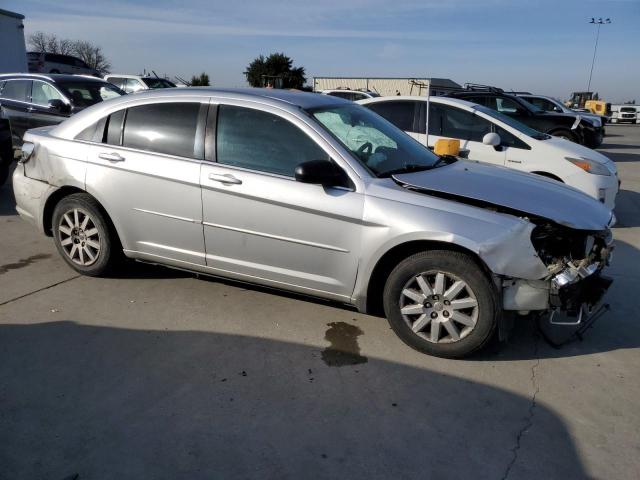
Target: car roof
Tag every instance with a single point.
(434, 99)
(54, 77)
(294, 98)
(288, 100)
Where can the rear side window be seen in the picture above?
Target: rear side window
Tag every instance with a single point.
(262, 141)
(169, 128)
(400, 113)
(17, 90)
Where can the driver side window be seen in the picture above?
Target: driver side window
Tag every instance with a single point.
(262, 141)
(42, 92)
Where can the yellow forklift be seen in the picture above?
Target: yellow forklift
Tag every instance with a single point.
(588, 101)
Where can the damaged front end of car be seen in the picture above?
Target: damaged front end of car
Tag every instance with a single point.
(574, 286)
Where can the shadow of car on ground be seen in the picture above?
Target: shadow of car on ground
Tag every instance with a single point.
(118, 403)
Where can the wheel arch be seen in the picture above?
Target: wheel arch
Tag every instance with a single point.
(548, 175)
(372, 303)
(57, 196)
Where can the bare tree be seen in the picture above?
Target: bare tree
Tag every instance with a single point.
(92, 55)
(50, 43)
(38, 42)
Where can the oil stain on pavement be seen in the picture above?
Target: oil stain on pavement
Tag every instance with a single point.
(344, 349)
(23, 262)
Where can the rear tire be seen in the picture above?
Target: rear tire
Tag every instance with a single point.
(84, 236)
(441, 303)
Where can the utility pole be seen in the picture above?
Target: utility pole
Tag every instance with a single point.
(599, 23)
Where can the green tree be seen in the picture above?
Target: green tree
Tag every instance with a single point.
(276, 71)
(201, 80)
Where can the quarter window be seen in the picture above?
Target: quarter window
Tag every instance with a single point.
(262, 141)
(168, 128)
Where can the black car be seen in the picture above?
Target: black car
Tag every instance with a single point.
(31, 100)
(569, 126)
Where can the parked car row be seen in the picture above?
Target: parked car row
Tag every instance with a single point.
(322, 196)
(489, 136)
(30, 101)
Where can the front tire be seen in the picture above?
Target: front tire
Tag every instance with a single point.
(566, 134)
(84, 237)
(441, 303)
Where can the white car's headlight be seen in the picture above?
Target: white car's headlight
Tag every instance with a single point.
(589, 166)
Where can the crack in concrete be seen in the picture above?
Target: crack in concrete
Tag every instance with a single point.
(39, 290)
(532, 406)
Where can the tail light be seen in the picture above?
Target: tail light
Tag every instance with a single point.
(27, 151)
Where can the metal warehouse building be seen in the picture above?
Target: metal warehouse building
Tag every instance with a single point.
(387, 86)
(13, 55)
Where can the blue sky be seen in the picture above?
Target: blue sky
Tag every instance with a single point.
(542, 46)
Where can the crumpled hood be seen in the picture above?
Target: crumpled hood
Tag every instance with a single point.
(504, 187)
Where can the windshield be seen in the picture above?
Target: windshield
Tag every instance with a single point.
(85, 94)
(376, 143)
(513, 123)
(158, 83)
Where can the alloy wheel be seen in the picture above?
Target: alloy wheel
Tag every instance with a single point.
(439, 307)
(79, 237)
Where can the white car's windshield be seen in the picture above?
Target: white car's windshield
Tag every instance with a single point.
(513, 123)
(377, 144)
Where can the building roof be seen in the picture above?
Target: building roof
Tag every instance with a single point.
(7, 13)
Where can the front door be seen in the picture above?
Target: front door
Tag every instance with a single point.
(146, 173)
(42, 114)
(446, 121)
(260, 224)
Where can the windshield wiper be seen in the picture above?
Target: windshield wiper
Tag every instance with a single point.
(411, 167)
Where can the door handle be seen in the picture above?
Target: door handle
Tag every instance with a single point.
(226, 178)
(30, 109)
(112, 157)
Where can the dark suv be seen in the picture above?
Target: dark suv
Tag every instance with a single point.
(30, 101)
(569, 126)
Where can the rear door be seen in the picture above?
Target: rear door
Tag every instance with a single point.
(146, 173)
(16, 108)
(263, 225)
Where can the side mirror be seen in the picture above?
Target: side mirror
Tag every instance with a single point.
(492, 139)
(320, 172)
(59, 106)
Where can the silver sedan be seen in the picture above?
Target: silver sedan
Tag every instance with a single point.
(317, 195)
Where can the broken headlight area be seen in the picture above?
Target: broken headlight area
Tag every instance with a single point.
(588, 293)
(575, 260)
(571, 255)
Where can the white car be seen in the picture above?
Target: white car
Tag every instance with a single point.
(488, 136)
(353, 95)
(136, 83)
(625, 113)
(55, 63)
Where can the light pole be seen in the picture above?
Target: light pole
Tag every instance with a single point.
(598, 22)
